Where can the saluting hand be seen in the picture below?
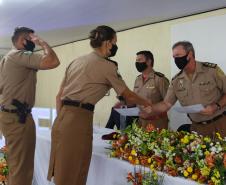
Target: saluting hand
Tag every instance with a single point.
(209, 110)
(36, 39)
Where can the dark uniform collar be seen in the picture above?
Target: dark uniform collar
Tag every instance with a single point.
(150, 75)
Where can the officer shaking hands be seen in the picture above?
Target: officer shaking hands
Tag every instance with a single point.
(197, 83)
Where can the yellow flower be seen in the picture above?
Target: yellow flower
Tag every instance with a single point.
(137, 161)
(112, 154)
(149, 160)
(194, 176)
(185, 140)
(203, 146)
(133, 152)
(207, 139)
(217, 174)
(130, 158)
(205, 171)
(189, 169)
(152, 167)
(186, 173)
(206, 152)
(192, 136)
(114, 136)
(219, 136)
(121, 150)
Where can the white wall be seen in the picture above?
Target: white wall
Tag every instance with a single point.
(156, 37)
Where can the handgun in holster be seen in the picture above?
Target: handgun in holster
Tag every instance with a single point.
(22, 110)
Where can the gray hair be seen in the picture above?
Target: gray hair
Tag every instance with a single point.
(186, 45)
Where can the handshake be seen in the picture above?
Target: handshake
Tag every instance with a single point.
(146, 112)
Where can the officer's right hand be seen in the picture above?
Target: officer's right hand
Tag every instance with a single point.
(145, 112)
(36, 39)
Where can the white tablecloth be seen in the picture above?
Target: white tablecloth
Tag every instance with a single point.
(103, 170)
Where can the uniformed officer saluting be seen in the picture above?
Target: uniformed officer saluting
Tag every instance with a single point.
(18, 70)
(196, 83)
(152, 86)
(87, 80)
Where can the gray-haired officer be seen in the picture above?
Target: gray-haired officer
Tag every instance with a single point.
(197, 83)
(18, 70)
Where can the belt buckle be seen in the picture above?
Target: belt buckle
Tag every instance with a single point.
(80, 104)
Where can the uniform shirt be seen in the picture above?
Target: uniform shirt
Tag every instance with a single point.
(207, 86)
(89, 78)
(153, 88)
(18, 71)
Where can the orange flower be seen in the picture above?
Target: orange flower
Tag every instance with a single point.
(210, 160)
(201, 179)
(171, 171)
(178, 159)
(150, 127)
(224, 160)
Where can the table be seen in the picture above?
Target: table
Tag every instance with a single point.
(103, 169)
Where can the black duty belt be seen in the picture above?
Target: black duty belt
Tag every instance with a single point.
(76, 103)
(3, 109)
(211, 120)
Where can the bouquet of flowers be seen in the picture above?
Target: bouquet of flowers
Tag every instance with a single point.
(3, 167)
(189, 155)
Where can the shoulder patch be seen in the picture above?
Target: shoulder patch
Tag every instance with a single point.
(159, 74)
(114, 62)
(177, 75)
(208, 64)
(220, 73)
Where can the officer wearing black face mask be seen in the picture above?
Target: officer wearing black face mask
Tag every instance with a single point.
(152, 86)
(18, 78)
(87, 80)
(197, 83)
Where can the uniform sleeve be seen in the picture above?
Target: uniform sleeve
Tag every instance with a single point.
(28, 59)
(163, 85)
(170, 95)
(221, 79)
(114, 79)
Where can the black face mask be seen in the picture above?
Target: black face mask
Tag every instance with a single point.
(181, 62)
(29, 46)
(141, 66)
(113, 50)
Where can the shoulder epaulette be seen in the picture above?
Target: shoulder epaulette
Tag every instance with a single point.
(114, 62)
(138, 76)
(177, 74)
(159, 74)
(207, 64)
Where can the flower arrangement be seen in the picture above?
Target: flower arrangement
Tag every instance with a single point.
(3, 167)
(142, 177)
(189, 155)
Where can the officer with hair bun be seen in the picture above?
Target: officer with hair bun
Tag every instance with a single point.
(87, 79)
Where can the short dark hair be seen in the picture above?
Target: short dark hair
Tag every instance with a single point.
(100, 34)
(148, 55)
(19, 31)
(186, 45)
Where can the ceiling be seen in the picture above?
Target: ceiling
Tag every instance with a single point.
(63, 21)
